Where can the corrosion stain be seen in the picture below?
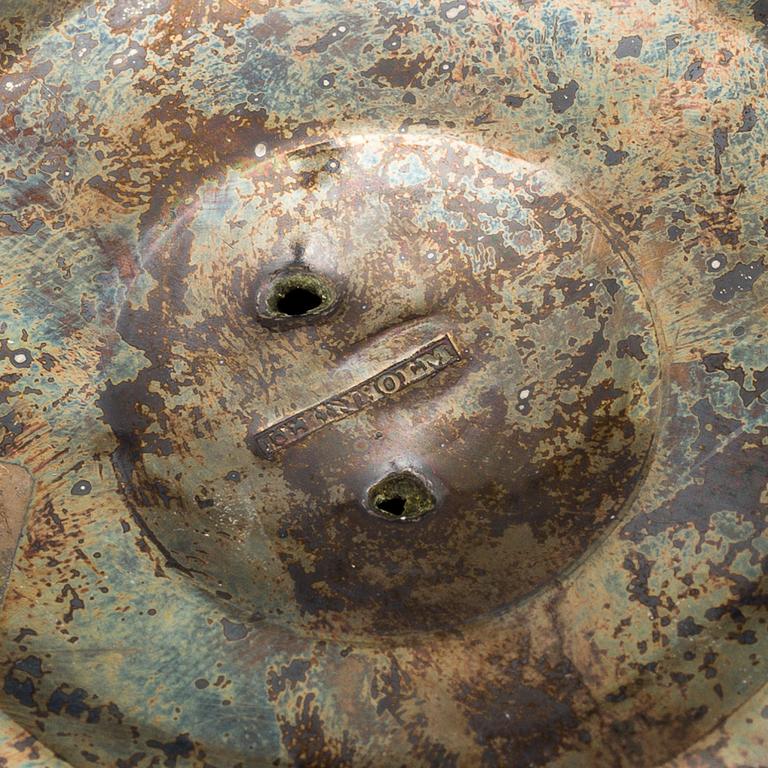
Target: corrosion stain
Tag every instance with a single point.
(569, 200)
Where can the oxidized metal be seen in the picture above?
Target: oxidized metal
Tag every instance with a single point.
(384, 383)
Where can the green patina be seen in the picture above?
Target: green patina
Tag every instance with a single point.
(402, 496)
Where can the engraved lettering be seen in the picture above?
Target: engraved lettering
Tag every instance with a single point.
(418, 368)
(389, 383)
(421, 365)
(361, 398)
(369, 392)
(264, 446)
(323, 413)
(297, 426)
(439, 357)
(279, 437)
(344, 406)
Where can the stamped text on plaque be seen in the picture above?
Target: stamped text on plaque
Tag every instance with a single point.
(425, 362)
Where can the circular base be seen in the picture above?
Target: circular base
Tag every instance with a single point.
(485, 336)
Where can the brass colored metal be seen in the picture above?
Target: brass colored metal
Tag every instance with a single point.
(384, 383)
(15, 493)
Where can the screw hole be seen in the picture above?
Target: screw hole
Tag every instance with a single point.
(298, 301)
(401, 496)
(294, 298)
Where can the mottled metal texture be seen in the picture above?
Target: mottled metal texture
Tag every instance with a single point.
(538, 234)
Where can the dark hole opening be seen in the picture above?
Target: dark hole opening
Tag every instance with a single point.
(394, 506)
(401, 496)
(298, 301)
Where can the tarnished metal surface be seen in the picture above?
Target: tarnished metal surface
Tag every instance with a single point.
(388, 380)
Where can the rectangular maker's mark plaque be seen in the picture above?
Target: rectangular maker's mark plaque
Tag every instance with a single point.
(422, 364)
